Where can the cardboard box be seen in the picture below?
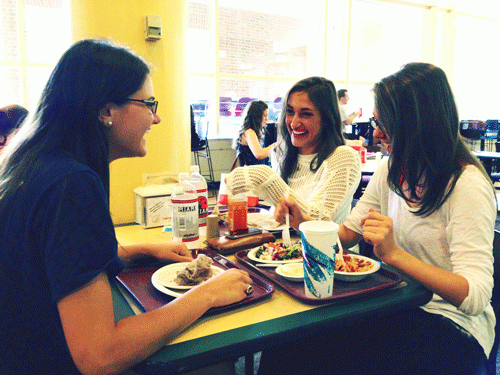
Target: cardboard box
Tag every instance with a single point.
(153, 205)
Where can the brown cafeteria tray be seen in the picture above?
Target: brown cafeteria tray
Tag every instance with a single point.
(382, 279)
(138, 282)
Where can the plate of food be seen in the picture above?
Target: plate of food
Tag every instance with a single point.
(355, 267)
(275, 252)
(291, 271)
(184, 276)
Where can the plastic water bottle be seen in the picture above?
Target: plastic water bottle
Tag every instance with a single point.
(185, 213)
(200, 185)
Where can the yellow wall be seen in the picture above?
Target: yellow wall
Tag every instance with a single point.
(168, 143)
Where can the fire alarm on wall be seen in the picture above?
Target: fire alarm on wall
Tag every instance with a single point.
(153, 27)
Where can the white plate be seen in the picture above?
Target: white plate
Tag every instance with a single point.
(162, 289)
(165, 276)
(264, 221)
(288, 270)
(356, 276)
(251, 256)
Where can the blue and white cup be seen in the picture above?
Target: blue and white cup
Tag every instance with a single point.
(319, 246)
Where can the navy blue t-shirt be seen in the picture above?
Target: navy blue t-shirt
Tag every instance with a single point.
(56, 235)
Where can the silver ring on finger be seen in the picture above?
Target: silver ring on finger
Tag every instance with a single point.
(249, 290)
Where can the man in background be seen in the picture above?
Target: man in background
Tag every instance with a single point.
(343, 100)
(346, 119)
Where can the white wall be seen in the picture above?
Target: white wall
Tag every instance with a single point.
(222, 158)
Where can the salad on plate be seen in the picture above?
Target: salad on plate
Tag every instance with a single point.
(275, 252)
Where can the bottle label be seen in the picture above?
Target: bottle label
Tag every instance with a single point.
(237, 216)
(202, 206)
(185, 219)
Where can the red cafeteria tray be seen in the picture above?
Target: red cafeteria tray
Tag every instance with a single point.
(382, 279)
(138, 282)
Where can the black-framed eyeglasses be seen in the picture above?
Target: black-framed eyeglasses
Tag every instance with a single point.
(152, 104)
(378, 123)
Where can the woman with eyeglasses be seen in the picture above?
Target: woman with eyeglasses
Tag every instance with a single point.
(429, 212)
(380, 135)
(314, 166)
(58, 251)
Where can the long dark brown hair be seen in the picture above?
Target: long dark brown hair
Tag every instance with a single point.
(323, 95)
(418, 110)
(253, 114)
(89, 75)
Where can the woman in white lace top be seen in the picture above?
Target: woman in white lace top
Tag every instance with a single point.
(313, 164)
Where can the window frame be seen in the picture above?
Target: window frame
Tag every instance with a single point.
(437, 47)
(23, 63)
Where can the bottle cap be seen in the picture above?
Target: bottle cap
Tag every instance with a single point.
(195, 168)
(237, 197)
(183, 176)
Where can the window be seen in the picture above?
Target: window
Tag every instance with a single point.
(33, 35)
(383, 37)
(261, 47)
(476, 78)
(241, 50)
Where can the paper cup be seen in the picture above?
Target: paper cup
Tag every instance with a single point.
(319, 245)
(362, 153)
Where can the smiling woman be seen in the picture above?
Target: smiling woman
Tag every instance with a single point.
(57, 229)
(129, 122)
(314, 166)
(303, 121)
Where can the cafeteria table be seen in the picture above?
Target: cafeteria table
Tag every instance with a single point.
(278, 318)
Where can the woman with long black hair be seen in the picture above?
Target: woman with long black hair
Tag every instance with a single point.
(58, 248)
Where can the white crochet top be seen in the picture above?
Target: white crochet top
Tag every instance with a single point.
(335, 182)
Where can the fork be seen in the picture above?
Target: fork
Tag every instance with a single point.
(341, 253)
(285, 234)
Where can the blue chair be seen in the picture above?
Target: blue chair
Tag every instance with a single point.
(492, 127)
